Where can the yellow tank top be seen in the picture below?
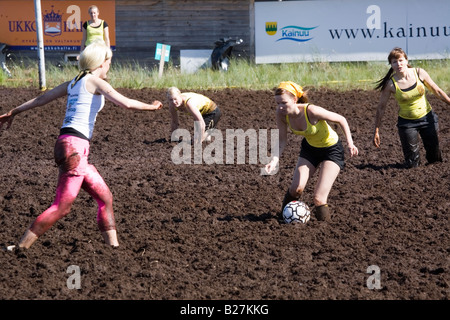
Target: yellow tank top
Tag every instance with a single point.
(94, 33)
(205, 104)
(320, 135)
(413, 103)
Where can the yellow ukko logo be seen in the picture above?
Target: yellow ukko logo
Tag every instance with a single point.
(271, 28)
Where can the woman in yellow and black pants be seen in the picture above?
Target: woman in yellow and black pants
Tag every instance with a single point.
(321, 145)
(416, 116)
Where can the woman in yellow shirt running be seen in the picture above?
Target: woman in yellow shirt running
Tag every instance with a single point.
(321, 145)
(416, 116)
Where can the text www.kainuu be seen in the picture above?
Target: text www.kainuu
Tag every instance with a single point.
(390, 32)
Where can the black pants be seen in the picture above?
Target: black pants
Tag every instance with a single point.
(409, 130)
(212, 118)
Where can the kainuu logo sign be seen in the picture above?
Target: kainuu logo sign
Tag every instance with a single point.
(291, 33)
(295, 33)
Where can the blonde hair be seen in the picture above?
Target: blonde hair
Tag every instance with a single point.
(91, 58)
(93, 7)
(173, 91)
(94, 55)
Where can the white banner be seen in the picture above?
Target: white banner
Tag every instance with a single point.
(350, 30)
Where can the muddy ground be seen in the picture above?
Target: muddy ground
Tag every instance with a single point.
(210, 231)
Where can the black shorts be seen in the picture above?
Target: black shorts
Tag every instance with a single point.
(211, 119)
(315, 155)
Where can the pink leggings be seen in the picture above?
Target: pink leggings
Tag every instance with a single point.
(75, 172)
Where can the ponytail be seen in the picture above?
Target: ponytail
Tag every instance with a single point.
(381, 84)
(80, 75)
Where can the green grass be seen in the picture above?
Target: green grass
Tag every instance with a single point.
(241, 74)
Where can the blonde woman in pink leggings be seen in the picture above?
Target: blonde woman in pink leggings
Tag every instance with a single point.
(86, 95)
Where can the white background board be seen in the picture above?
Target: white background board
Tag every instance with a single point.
(350, 30)
(192, 60)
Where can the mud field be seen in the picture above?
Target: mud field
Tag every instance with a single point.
(210, 231)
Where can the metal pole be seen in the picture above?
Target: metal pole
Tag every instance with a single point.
(40, 44)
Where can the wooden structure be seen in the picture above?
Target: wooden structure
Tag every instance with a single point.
(183, 24)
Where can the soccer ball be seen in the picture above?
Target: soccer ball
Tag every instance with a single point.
(296, 211)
